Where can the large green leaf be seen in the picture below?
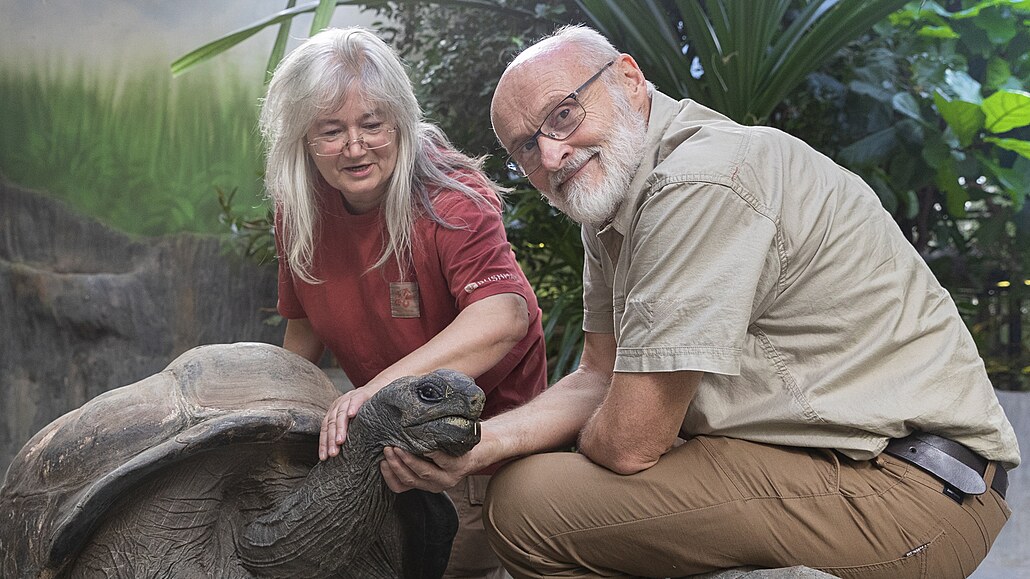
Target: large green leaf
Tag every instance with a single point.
(870, 150)
(998, 73)
(1014, 180)
(323, 14)
(220, 45)
(279, 48)
(965, 118)
(1018, 145)
(907, 105)
(999, 28)
(752, 53)
(1007, 110)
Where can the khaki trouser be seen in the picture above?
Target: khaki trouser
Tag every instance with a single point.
(715, 503)
(471, 556)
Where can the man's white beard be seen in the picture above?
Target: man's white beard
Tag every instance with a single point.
(618, 157)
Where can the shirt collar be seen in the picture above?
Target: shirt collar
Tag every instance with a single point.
(663, 111)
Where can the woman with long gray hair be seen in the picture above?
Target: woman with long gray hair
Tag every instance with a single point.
(392, 253)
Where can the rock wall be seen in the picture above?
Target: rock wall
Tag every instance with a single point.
(1010, 556)
(84, 309)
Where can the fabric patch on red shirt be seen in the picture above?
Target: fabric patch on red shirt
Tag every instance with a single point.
(404, 299)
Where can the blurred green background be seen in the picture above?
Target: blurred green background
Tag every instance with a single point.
(927, 101)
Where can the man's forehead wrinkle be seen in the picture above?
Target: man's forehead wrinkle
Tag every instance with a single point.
(531, 88)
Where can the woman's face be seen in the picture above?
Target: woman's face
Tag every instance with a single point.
(359, 173)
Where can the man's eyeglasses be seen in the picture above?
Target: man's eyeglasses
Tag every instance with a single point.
(558, 125)
(370, 138)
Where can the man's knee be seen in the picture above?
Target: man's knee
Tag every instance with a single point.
(519, 502)
(509, 498)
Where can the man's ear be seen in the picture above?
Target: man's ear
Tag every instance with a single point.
(633, 80)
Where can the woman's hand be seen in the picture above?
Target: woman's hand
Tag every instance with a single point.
(334, 425)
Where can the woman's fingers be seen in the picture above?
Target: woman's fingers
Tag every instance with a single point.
(334, 425)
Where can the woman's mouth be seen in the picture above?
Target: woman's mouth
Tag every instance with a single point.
(358, 170)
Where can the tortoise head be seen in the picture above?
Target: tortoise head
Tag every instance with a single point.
(422, 414)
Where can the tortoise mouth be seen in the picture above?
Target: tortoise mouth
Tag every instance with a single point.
(454, 434)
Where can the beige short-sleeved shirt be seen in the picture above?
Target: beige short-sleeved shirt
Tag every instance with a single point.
(743, 253)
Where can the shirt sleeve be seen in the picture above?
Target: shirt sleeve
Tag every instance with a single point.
(597, 293)
(475, 255)
(698, 255)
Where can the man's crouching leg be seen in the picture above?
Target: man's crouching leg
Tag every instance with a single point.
(558, 514)
(716, 503)
(520, 519)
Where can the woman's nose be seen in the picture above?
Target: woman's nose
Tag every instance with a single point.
(354, 147)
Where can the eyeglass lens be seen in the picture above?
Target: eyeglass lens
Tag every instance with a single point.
(560, 123)
(558, 126)
(369, 140)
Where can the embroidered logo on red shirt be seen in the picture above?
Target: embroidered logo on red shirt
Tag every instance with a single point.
(404, 299)
(478, 284)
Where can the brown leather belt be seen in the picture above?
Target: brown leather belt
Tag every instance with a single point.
(960, 469)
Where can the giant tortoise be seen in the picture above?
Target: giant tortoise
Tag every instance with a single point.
(209, 469)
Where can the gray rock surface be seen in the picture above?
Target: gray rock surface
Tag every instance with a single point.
(1010, 556)
(84, 309)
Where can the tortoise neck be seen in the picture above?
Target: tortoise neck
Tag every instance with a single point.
(344, 496)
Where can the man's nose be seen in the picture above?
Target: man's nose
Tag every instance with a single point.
(552, 153)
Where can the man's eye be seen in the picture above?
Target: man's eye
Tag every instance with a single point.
(372, 128)
(528, 147)
(560, 118)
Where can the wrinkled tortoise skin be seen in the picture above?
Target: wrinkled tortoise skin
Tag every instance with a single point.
(209, 468)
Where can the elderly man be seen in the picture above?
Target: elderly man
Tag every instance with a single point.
(771, 374)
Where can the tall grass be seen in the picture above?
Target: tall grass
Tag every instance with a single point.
(136, 149)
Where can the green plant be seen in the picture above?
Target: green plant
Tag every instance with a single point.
(740, 58)
(933, 111)
(136, 150)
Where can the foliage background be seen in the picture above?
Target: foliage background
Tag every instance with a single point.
(928, 105)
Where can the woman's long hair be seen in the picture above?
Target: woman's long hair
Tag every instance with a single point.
(316, 78)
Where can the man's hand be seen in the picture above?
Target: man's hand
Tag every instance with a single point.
(334, 424)
(404, 471)
(639, 420)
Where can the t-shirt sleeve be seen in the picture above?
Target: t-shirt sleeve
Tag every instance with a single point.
(697, 259)
(288, 304)
(475, 256)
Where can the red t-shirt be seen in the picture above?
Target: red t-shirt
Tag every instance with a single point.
(369, 319)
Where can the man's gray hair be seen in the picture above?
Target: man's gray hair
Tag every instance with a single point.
(592, 47)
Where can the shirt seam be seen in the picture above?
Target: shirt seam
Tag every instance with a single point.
(773, 356)
(641, 352)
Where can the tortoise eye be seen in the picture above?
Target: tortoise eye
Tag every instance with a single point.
(429, 393)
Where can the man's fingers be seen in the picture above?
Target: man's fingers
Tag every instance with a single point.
(392, 482)
(402, 476)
